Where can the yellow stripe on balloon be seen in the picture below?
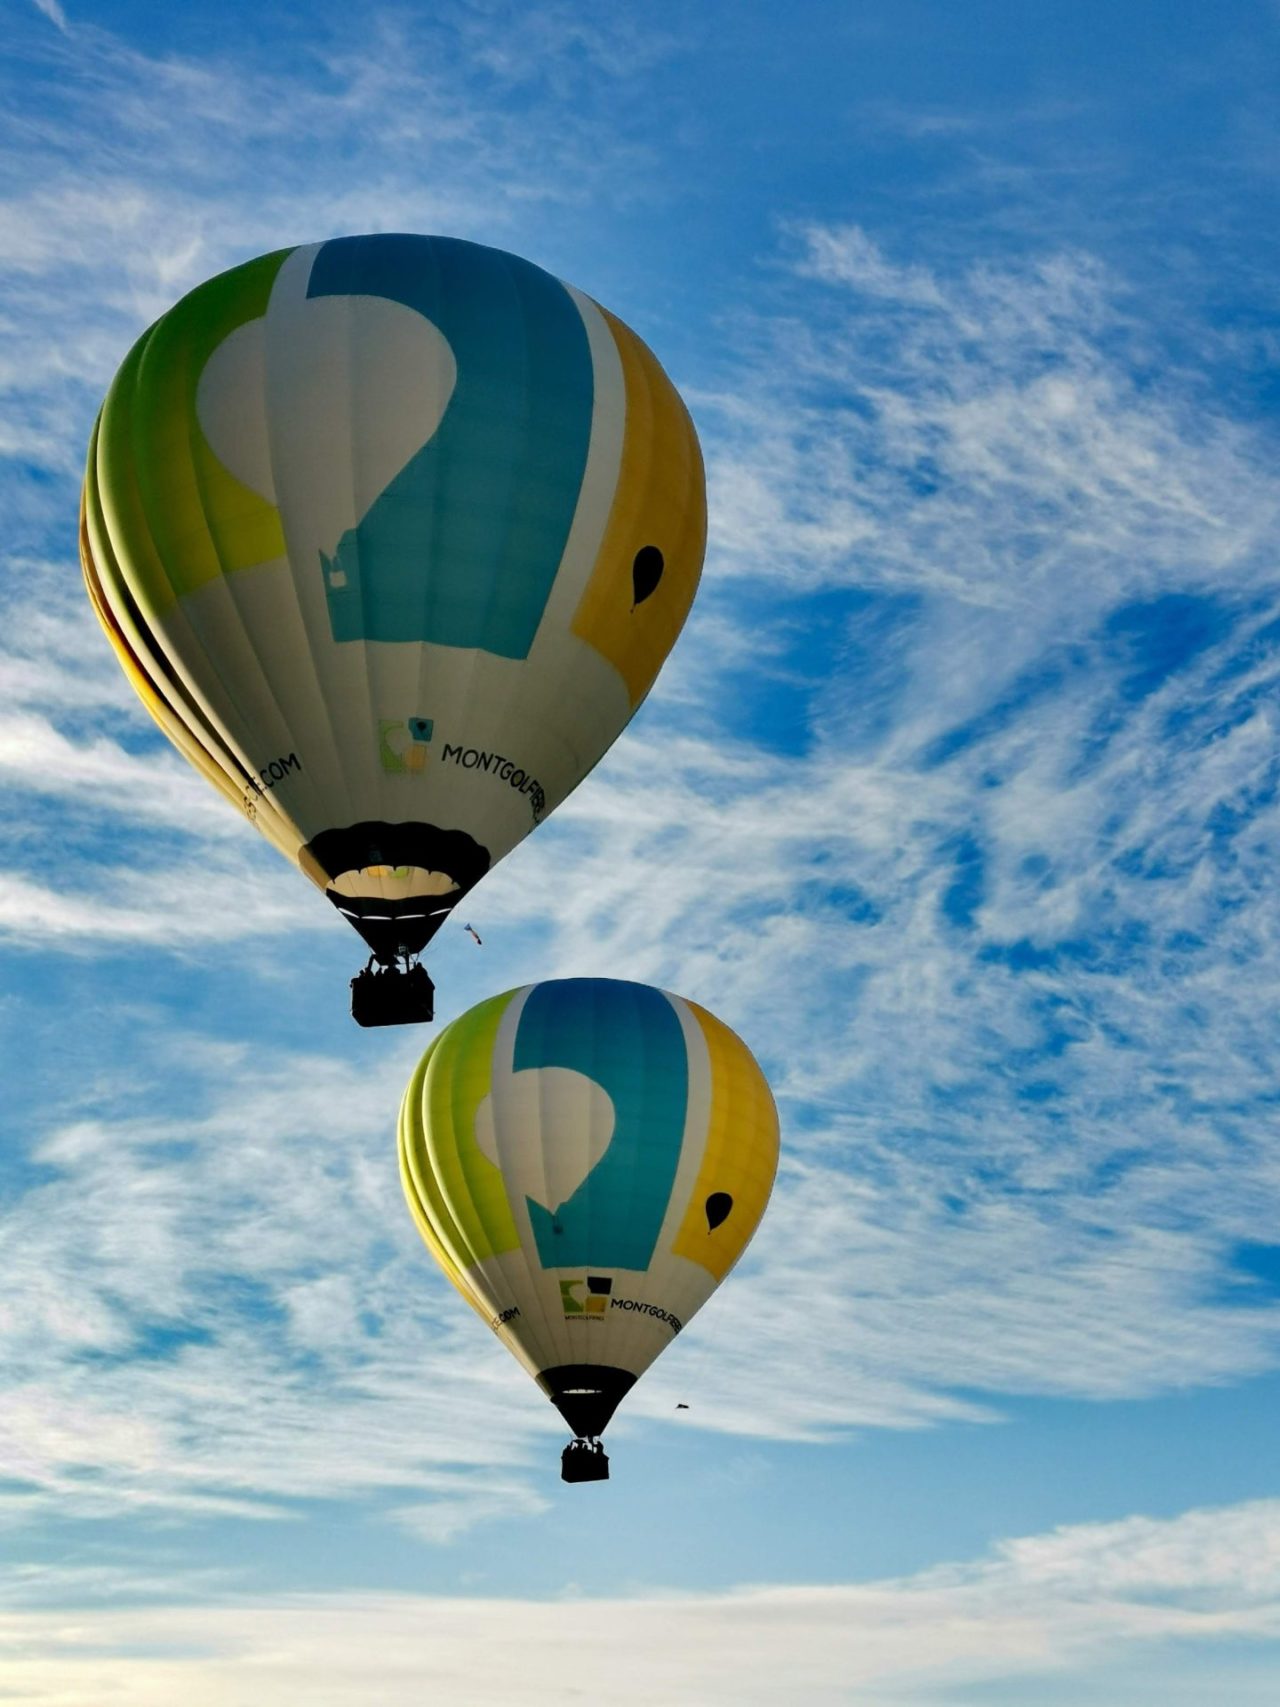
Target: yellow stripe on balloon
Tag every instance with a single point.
(741, 1155)
(171, 710)
(430, 1217)
(458, 1079)
(660, 502)
(135, 672)
(101, 573)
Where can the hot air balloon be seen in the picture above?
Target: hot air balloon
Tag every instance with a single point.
(586, 1159)
(391, 535)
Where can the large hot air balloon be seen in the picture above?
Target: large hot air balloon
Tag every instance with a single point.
(392, 535)
(586, 1159)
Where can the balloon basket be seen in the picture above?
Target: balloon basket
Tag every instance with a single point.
(390, 995)
(584, 1461)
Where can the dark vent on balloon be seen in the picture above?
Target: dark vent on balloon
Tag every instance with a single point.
(646, 572)
(717, 1207)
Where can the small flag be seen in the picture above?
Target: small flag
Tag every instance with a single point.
(475, 933)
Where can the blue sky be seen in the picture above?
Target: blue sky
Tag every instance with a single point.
(957, 799)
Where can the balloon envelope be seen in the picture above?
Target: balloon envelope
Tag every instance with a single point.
(559, 1145)
(362, 521)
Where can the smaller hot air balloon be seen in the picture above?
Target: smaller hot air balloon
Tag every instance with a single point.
(586, 1159)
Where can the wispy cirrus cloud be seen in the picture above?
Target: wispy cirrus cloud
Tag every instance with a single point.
(957, 800)
(993, 904)
(1007, 434)
(55, 14)
(176, 905)
(404, 123)
(204, 1313)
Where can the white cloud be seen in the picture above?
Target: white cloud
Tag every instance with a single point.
(847, 255)
(54, 12)
(202, 1313)
(1065, 1604)
(95, 773)
(995, 438)
(178, 906)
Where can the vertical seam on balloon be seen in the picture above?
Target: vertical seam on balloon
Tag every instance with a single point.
(490, 599)
(411, 1121)
(323, 641)
(442, 1062)
(645, 494)
(693, 1147)
(348, 313)
(518, 396)
(510, 1022)
(517, 677)
(213, 767)
(120, 618)
(231, 592)
(620, 1343)
(461, 1091)
(623, 444)
(589, 1190)
(692, 534)
(307, 655)
(463, 1106)
(446, 1158)
(167, 669)
(599, 468)
(514, 1004)
(563, 1333)
(423, 694)
(178, 613)
(652, 1072)
(439, 498)
(483, 1268)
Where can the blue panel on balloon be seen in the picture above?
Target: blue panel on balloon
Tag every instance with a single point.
(627, 1038)
(464, 544)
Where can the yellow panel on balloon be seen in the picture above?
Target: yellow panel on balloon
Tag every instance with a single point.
(438, 1230)
(740, 1159)
(647, 571)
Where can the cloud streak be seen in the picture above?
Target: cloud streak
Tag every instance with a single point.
(55, 14)
(1077, 1597)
